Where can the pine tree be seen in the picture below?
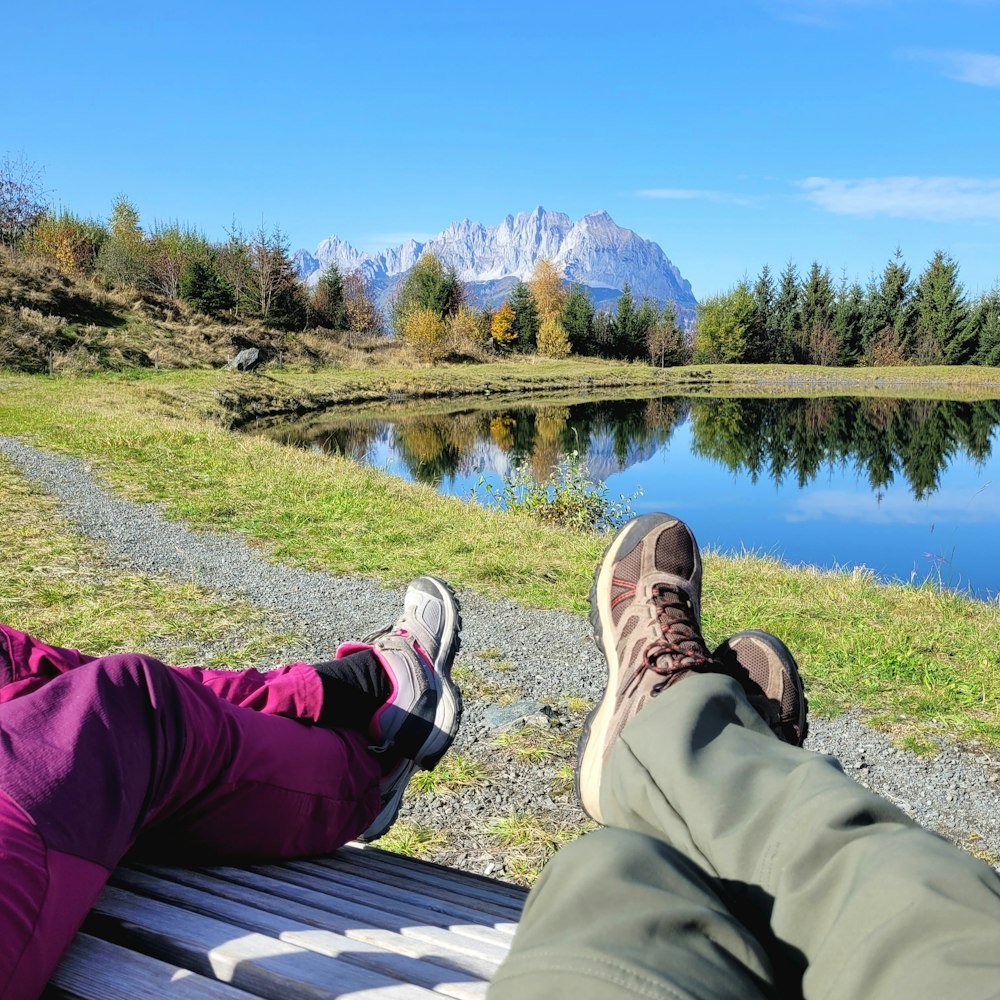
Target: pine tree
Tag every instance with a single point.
(429, 285)
(816, 344)
(525, 317)
(986, 323)
(890, 306)
(848, 316)
(787, 317)
(578, 320)
(203, 287)
(763, 339)
(630, 338)
(328, 306)
(942, 315)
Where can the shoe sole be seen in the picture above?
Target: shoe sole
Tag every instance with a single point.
(586, 774)
(447, 717)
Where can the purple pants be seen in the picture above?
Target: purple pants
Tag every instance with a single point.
(102, 755)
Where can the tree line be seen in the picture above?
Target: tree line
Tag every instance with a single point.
(542, 315)
(893, 320)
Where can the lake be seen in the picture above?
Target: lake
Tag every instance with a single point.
(907, 488)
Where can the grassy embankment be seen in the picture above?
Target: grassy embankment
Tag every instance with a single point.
(58, 585)
(921, 662)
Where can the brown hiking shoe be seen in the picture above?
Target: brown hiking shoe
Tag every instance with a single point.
(770, 677)
(645, 607)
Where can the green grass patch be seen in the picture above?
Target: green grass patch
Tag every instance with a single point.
(416, 840)
(529, 841)
(57, 585)
(918, 656)
(455, 772)
(534, 746)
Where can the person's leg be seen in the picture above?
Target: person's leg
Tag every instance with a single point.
(862, 901)
(126, 749)
(847, 896)
(615, 909)
(126, 743)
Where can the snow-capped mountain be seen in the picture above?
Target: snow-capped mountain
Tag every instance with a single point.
(491, 259)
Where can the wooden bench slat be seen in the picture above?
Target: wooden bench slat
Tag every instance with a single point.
(442, 976)
(257, 963)
(444, 890)
(341, 888)
(440, 946)
(397, 891)
(96, 968)
(469, 883)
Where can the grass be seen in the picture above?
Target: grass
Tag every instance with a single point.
(57, 585)
(455, 772)
(416, 840)
(529, 841)
(533, 745)
(475, 684)
(920, 657)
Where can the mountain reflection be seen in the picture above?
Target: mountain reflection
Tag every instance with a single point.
(782, 439)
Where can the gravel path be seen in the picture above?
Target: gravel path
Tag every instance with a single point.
(520, 668)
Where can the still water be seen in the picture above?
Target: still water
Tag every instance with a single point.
(908, 488)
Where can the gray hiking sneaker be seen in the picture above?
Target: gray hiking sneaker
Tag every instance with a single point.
(769, 675)
(645, 607)
(420, 720)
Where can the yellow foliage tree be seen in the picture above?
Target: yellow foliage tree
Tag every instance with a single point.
(465, 331)
(547, 287)
(502, 326)
(425, 331)
(553, 340)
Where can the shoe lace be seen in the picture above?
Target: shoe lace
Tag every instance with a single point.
(679, 646)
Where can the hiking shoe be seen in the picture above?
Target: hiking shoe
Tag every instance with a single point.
(769, 675)
(419, 721)
(645, 607)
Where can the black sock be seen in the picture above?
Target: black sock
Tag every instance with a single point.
(355, 687)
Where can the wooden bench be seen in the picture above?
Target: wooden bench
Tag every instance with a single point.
(361, 923)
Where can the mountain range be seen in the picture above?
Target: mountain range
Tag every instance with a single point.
(490, 260)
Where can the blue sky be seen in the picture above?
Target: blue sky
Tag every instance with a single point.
(732, 133)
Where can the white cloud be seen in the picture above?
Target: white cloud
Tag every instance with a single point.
(693, 194)
(981, 69)
(939, 199)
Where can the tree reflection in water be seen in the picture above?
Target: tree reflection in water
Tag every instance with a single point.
(780, 439)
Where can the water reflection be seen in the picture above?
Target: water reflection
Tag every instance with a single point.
(780, 439)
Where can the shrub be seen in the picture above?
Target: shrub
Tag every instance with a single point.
(425, 332)
(568, 498)
(553, 341)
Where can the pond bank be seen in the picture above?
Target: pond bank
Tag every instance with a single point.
(236, 399)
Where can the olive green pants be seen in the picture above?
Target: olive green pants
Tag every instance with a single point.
(734, 865)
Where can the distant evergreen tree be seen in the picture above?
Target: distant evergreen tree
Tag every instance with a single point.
(429, 285)
(328, 304)
(204, 288)
(604, 334)
(787, 316)
(526, 321)
(763, 337)
(890, 306)
(630, 338)
(816, 343)
(722, 325)
(848, 317)
(942, 315)
(985, 322)
(578, 320)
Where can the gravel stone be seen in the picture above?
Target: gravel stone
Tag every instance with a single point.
(548, 656)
